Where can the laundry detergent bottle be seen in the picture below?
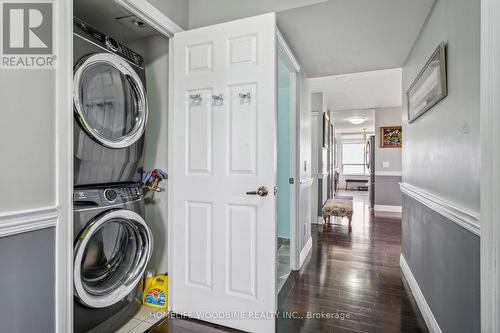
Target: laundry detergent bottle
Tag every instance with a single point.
(156, 295)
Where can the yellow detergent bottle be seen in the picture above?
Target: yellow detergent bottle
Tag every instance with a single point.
(157, 294)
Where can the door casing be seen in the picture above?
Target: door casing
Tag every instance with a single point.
(294, 68)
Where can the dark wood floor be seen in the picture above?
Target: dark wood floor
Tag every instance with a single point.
(354, 274)
(352, 277)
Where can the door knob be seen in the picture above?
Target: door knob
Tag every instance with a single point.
(262, 191)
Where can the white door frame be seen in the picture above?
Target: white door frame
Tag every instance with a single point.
(490, 164)
(294, 68)
(63, 28)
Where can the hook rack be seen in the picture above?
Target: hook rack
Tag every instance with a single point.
(196, 99)
(245, 98)
(218, 99)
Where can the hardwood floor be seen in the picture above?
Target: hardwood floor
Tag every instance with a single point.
(352, 277)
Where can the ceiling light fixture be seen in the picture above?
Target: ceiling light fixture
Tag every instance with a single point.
(342, 78)
(357, 120)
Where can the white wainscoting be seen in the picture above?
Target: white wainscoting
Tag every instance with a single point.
(429, 318)
(17, 222)
(460, 215)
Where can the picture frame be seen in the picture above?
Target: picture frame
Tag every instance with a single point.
(326, 130)
(391, 137)
(330, 136)
(429, 87)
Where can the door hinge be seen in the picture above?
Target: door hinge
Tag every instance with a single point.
(291, 180)
(275, 190)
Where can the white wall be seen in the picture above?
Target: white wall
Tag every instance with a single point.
(155, 52)
(27, 139)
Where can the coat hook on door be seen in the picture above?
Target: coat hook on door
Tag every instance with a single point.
(218, 100)
(245, 98)
(196, 99)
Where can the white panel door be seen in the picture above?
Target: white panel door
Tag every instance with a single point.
(223, 131)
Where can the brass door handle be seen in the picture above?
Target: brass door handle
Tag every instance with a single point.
(262, 191)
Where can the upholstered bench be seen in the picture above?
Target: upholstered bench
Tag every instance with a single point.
(337, 207)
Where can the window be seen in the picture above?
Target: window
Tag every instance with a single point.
(353, 155)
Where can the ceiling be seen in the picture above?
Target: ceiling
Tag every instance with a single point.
(204, 12)
(342, 124)
(366, 90)
(348, 36)
(110, 18)
(331, 37)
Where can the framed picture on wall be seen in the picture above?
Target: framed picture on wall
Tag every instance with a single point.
(429, 87)
(330, 136)
(326, 130)
(391, 137)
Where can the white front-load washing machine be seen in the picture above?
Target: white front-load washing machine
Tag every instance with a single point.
(112, 246)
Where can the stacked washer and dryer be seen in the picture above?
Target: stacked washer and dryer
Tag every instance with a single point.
(112, 242)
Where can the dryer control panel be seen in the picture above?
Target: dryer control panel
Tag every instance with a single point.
(96, 37)
(107, 196)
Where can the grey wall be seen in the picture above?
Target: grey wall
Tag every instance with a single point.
(387, 192)
(155, 52)
(176, 10)
(441, 155)
(387, 117)
(441, 151)
(27, 282)
(387, 180)
(444, 259)
(28, 179)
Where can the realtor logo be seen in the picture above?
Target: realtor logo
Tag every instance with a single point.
(27, 35)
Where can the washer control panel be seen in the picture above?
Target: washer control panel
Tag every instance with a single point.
(106, 196)
(89, 33)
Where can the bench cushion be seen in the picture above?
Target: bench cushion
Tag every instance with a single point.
(337, 207)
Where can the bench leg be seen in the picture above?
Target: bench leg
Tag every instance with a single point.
(350, 220)
(326, 219)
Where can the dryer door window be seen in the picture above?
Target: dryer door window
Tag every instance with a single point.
(111, 254)
(109, 99)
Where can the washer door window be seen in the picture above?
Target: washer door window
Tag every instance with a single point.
(109, 100)
(111, 254)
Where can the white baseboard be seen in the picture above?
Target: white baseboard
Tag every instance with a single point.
(305, 251)
(425, 310)
(385, 208)
(319, 220)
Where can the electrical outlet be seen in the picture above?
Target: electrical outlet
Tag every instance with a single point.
(386, 164)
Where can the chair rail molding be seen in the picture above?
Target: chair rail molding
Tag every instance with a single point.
(306, 181)
(430, 320)
(460, 215)
(17, 222)
(389, 173)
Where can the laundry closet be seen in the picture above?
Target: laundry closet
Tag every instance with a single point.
(120, 162)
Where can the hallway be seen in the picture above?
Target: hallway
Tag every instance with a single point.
(356, 276)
